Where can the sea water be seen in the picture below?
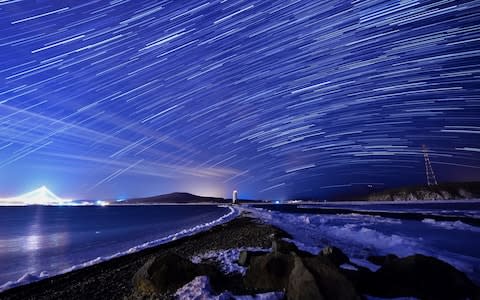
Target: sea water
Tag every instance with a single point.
(38, 241)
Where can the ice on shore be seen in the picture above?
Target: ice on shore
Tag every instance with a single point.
(26, 278)
(457, 225)
(199, 289)
(360, 236)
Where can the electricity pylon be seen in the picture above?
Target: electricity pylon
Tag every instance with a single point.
(431, 179)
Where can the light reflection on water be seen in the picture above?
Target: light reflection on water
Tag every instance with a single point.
(34, 242)
(52, 239)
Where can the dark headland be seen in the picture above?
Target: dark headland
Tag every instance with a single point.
(180, 198)
(174, 198)
(442, 191)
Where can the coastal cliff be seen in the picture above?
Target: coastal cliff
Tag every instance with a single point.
(443, 191)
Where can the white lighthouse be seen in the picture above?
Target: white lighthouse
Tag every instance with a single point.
(235, 197)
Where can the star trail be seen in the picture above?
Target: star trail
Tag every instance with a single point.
(278, 99)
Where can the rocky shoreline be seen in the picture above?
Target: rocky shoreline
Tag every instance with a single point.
(287, 272)
(277, 269)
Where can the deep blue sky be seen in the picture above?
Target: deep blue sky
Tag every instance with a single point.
(278, 99)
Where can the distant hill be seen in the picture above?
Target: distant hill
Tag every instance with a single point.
(443, 191)
(174, 198)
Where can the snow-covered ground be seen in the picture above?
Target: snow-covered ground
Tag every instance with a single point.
(361, 235)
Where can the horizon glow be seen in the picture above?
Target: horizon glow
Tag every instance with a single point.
(40, 196)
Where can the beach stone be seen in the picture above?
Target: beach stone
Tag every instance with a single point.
(380, 260)
(168, 272)
(331, 282)
(301, 283)
(246, 256)
(424, 277)
(362, 279)
(283, 246)
(335, 255)
(269, 272)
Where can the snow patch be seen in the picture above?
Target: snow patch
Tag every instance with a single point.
(227, 259)
(457, 225)
(199, 289)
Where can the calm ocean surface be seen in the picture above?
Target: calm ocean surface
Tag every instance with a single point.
(38, 239)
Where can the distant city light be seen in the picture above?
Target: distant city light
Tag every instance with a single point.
(40, 196)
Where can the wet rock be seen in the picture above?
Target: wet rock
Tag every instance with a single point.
(423, 277)
(246, 256)
(167, 273)
(331, 282)
(362, 279)
(269, 272)
(335, 255)
(301, 283)
(380, 260)
(283, 246)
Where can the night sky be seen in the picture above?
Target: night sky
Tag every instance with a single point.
(278, 99)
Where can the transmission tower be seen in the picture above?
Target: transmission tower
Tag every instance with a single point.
(431, 179)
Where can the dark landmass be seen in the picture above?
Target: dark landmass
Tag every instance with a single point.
(174, 198)
(181, 198)
(442, 191)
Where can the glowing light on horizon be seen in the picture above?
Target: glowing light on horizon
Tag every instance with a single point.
(40, 196)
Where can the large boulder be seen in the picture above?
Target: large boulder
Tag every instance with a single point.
(380, 260)
(330, 281)
(362, 279)
(301, 283)
(246, 256)
(335, 255)
(167, 273)
(422, 277)
(285, 247)
(269, 272)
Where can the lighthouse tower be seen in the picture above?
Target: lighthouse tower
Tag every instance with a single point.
(235, 197)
